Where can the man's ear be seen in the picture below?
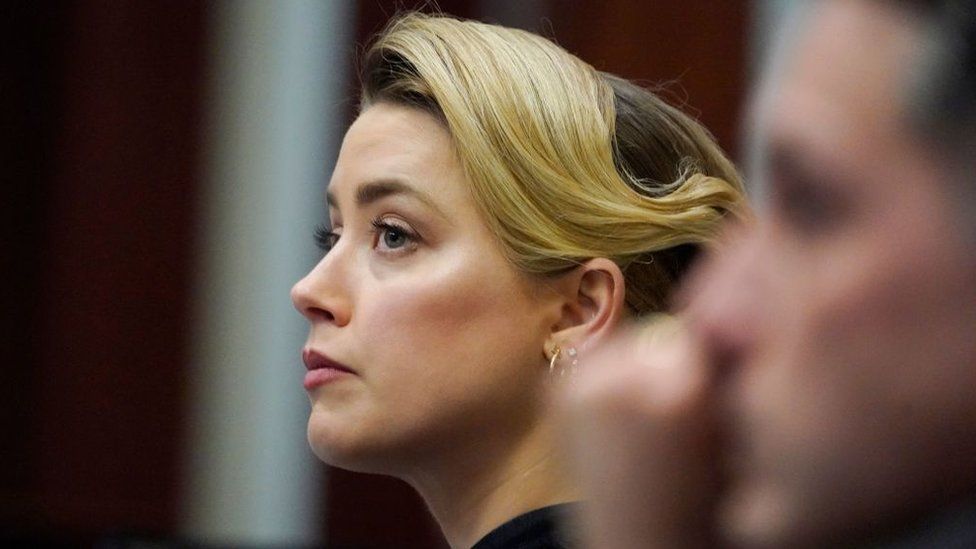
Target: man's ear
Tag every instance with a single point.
(594, 304)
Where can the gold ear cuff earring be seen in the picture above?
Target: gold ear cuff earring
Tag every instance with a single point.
(552, 361)
(573, 365)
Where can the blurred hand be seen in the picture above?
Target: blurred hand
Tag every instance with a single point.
(641, 429)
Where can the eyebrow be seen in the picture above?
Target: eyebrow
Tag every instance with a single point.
(375, 190)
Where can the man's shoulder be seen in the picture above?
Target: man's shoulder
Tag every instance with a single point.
(951, 528)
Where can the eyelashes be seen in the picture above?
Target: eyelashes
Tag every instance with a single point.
(392, 236)
(388, 237)
(325, 238)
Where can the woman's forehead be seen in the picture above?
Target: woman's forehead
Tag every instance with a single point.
(404, 153)
(390, 142)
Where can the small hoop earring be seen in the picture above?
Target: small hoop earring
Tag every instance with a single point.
(552, 361)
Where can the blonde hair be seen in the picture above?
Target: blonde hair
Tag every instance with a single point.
(565, 163)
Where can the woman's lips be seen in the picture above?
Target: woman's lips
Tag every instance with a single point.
(322, 369)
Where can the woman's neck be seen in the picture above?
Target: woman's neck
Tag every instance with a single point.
(472, 494)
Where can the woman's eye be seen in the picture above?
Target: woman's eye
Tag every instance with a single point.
(392, 237)
(325, 238)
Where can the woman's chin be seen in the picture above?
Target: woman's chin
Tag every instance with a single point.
(329, 446)
(344, 450)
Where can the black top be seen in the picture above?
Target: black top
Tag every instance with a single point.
(952, 528)
(546, 528)
(540, 529)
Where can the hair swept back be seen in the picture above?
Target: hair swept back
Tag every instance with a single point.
(565, 163)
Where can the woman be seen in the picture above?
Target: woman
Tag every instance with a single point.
(497, 206)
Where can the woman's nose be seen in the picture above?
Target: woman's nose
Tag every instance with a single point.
(320, 296)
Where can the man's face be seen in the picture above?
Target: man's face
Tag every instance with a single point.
(844, 320)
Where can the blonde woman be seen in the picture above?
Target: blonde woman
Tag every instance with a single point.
(497, 206)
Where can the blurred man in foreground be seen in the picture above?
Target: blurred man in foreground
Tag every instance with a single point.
(821, 388)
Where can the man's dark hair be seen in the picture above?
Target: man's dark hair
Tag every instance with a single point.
(946, 90)
(943, 94)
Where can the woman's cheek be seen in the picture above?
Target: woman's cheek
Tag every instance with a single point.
(433, 322)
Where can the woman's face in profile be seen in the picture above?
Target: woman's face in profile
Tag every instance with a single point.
(435, 337)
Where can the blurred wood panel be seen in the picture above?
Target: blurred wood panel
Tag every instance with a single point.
(699, 46)
(30, 105)
(104, 365)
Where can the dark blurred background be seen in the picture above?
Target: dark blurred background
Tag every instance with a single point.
(130, 308)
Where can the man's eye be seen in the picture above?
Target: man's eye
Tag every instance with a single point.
(812, 211)
(809, 202)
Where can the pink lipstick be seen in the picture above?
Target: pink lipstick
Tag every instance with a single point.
(322, 369)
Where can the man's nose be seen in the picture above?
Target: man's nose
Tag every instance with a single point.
(726, 297)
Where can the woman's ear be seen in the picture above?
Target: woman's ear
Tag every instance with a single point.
(594, 306)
